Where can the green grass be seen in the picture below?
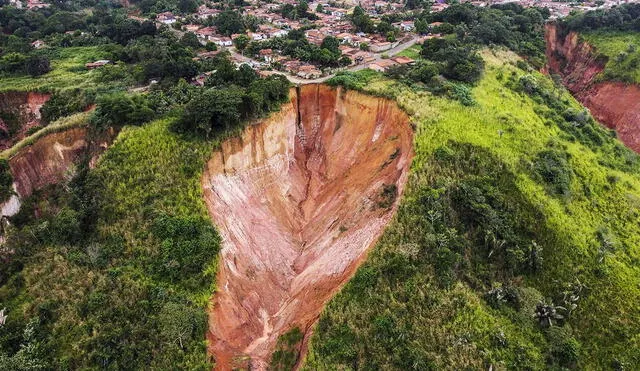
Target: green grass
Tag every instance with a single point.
(67, 71)
(623, 52)
(413, 52)
(121, 292)
(474, 207)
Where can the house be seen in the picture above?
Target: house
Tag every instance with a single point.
(192, 27)
(205, 34)
(257, 36)
(37, 44)
(16, 3)
(97, 64)
(166, 18)
(36, 4)
(346, 38)
(309, 72)
(266, 55)
(407, 26)
(382, 65)
(378, 47)
(201, 79)
(205, 12)
(221, 41)
(403, 60)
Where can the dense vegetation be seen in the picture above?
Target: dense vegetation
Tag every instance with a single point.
(519, 29)
(116, 270)
(625, 17)
(450, 64)
(614, 34)
(515, 244)
(114, 267)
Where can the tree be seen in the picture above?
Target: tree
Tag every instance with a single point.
(119, 109)
(179, 323)
(361, 20)
(241, 42)
(229, 22)
(190, 40)
(331, 44)
(384, 28)
(212, 109)
(37, 65)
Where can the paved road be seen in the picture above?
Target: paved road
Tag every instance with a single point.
(298, 80)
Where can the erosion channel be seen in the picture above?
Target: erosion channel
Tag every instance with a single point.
(299, 199)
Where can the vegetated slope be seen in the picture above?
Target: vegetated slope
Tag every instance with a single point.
(516, 243)
(114, 267)
(299, 199)
(602, 69)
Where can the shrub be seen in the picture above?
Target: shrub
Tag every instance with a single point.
(6, 180)
(564, 349)
(552, 166)
(286, 354)
(119, 109)
(64, 103)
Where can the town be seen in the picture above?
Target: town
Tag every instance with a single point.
(330, 36)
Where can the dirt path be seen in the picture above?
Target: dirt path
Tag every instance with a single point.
(299, 199)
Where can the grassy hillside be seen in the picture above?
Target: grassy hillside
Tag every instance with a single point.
(67, 70)
(622, 49)
(520, 212)
(117, 269)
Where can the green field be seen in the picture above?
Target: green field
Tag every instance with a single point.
(67, 71)
(623, 52)
(506, 207)
(413, 52)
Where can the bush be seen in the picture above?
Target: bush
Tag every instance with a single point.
(287, 350)
(65, 103)
(119, 109)
(186, 246)
(37, 65)
(552, 166)
(564, 349)
(6, 180)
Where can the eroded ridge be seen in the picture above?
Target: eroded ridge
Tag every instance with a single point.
(299, 199)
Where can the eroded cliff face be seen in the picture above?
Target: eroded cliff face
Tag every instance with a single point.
(48, 160)
(615, 104)
(19, 111)
(299, 199)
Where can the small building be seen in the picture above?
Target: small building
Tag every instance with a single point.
(378, 47)
(382, 65)
(221, 41)
(97, 64)
(166, 18)
(266, 55)
(205, 34)
(38, 44)
(309, 72)
(403, 60)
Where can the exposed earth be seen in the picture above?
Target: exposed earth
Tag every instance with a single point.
(299, 199)
(615, 104)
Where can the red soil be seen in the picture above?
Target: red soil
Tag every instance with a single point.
(296, 201)
(48, 160)
(615, 104)
(26, 107)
